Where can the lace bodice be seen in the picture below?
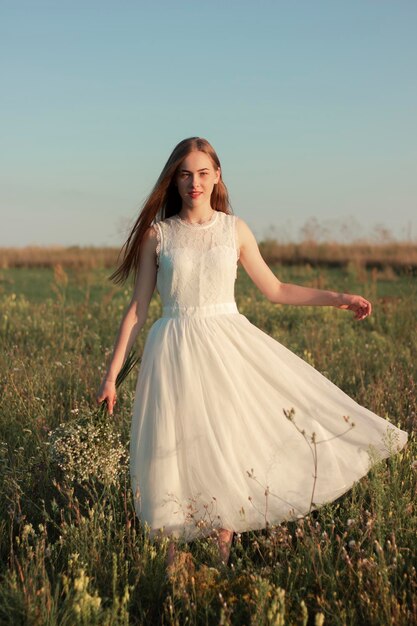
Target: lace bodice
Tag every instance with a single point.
(197, 263)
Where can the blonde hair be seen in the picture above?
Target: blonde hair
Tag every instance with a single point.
(165, 201)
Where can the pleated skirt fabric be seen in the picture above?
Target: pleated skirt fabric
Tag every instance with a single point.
(210, 445)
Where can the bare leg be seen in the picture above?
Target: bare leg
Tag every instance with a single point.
(171, 552)
(179, 564)
(225, 538)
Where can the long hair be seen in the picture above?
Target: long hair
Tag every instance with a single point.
(165, 201)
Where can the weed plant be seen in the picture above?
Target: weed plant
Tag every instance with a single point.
(73, 551)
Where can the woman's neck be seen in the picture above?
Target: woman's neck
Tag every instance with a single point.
(196, 214)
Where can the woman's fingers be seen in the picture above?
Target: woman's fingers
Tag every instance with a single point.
(366, 308)
(363, 309)
(107, 393)
(359, 306)
(111, 401)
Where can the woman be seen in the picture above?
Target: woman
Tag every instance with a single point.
(210, 448)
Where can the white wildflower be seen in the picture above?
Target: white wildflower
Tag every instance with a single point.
(85, 450)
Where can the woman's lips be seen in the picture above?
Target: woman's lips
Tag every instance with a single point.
(195, 194)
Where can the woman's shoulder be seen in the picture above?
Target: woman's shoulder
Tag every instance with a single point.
(240, 223)
(162, 223)
(151, 237)
(231, 217)
(167, 221)
(244, 231)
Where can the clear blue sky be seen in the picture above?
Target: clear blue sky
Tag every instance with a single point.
(311, 106)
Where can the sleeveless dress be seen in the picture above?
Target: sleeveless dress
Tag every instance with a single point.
(210, 446)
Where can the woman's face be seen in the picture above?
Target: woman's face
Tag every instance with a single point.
(196, 178)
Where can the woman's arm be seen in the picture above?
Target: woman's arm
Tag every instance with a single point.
(134, 317)
(288, 293)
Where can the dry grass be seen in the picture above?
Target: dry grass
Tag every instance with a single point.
(399, 256)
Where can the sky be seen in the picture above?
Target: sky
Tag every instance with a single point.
(311, 107)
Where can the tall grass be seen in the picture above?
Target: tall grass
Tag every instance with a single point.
(75, 553)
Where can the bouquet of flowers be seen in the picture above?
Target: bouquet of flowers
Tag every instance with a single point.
(90, 447)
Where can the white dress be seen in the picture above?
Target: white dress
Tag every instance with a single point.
(210, 446)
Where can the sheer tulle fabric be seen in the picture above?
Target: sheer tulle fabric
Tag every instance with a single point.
(210, 445)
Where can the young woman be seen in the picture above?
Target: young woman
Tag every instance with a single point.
(211, 450)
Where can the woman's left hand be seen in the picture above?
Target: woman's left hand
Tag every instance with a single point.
(360, 306)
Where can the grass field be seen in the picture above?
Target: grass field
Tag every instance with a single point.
(75, 553)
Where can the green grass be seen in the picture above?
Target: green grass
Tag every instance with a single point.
(76, 554)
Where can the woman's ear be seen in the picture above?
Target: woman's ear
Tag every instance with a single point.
(218, 175)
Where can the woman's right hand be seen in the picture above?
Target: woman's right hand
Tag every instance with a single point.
(107, 392)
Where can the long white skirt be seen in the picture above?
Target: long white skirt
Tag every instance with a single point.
(210, 445)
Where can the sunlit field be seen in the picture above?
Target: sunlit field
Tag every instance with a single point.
(73, 551)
